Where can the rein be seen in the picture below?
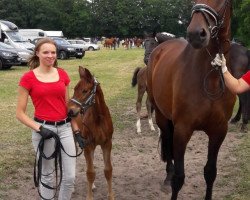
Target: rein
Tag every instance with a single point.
(58, 162)
(214, 30)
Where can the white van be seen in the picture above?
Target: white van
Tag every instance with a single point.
(10, 35)
(31, 34)
(54, 34)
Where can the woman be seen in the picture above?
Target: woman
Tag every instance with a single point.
(47, 85)
(235, 85)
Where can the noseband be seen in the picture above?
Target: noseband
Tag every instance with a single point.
(217, 18)
(89, 101)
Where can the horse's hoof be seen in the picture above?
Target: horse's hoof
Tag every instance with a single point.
(233, 121)
(244, 130)
(166, 188)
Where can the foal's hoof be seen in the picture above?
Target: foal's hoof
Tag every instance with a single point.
(93, 187)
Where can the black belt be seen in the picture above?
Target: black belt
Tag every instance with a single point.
(58, 123)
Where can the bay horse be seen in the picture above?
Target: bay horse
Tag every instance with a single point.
(240, 62)
(138, 42)
(109, 43)
(89, 109)
(189, 94)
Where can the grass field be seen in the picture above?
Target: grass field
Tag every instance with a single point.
(113, 70)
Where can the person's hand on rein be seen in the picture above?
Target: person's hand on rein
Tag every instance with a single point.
(45, 133)
(79, 139)
(220, 61)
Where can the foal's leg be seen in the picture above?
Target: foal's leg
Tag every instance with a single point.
(141, 91)
(210, 170)
(89, 157)
(150, 111)
(106, 149)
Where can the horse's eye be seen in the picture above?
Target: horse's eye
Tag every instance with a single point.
(84, 91)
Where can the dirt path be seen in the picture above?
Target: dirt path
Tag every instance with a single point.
(139, 172)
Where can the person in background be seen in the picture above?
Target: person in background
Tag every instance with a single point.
(47, 85)
(236, 86)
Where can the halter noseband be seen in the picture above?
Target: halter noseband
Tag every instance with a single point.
(89, 101)
(207, 10)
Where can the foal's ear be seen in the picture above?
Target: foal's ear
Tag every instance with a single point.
(81, 72)
(85, 73)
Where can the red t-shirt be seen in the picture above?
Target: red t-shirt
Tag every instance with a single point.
(246, 77)
(48, 98)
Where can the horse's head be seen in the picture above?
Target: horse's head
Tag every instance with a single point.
(210, 19)
(149, 43)
(84, 93)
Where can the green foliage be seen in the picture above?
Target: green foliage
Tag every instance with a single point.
(241, 21)
(122, 18)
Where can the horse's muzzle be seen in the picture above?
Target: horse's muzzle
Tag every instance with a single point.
(72, 113)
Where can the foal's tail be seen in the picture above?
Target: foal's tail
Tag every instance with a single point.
(134, 79)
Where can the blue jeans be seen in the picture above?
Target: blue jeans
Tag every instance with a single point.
(68, 163)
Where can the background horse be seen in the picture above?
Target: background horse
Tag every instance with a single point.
(140, 78)
(240, 62)
(189, 94)
(109, 43)
(93, 118)
(138, 42)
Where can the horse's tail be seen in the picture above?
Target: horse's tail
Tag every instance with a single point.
(134, 78)
(166, 141)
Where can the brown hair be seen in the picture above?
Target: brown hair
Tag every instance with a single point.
(34, 60)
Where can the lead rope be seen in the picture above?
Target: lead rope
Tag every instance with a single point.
(58, 163)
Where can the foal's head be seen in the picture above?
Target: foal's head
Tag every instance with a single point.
(210, 19)
(84, 93)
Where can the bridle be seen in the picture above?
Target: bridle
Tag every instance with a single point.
(207, 12)
(218, 21)
(89, 101)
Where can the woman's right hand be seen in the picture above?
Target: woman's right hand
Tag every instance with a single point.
(45, 133)
(220, 60)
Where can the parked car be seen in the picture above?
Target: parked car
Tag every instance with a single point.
(8, 58)
(66, 50)
(24, 54)
(85, 45)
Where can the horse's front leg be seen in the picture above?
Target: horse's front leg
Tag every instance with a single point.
(210, 170)
(180, 139)
(89, 157)
(106, 149)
